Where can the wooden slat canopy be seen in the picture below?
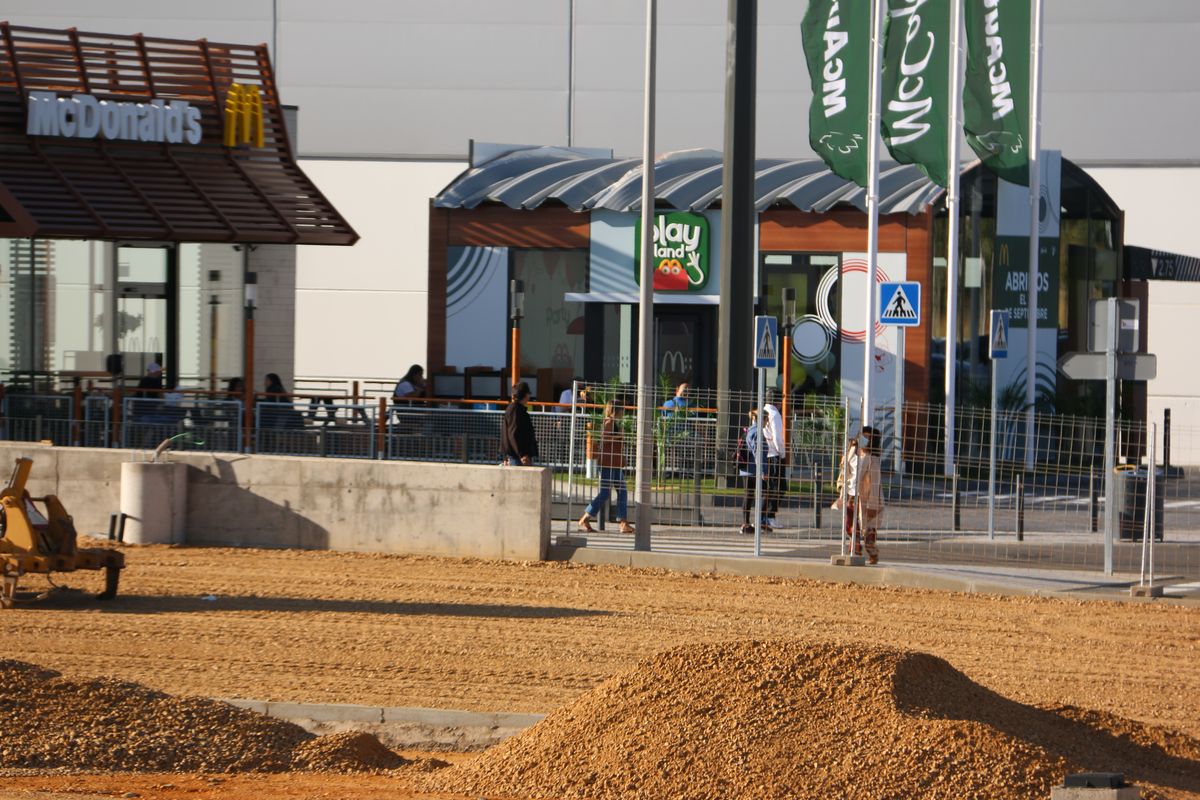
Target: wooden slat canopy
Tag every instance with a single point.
(55, 186)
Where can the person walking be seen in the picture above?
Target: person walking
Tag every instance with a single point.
(519, 445)
(859, 482)
(747, 468)
(611, 457)
(775, 468)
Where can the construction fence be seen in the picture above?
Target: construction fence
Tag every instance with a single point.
(702, 481)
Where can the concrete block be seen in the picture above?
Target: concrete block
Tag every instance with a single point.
(447, 718)
(257, 706)
(280, 501)
(154, 499)
(1149, 590)
(325, 712)
(1079, 793)
(848, 561)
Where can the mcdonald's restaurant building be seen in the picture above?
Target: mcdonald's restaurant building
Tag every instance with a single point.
(566, 223)
(150, 203)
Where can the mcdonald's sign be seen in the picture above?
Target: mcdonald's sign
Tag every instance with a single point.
(243, 116)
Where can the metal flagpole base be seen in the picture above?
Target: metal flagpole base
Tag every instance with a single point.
(848, 561)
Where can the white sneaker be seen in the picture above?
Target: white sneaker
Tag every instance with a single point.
(771, 521)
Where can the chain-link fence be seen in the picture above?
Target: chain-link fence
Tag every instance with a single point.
(703, 484)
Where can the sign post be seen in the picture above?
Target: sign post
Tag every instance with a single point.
(900, 307)
(997, 349)
(766, 356)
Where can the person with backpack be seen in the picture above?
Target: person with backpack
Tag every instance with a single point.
(747, 468)
(611, 456)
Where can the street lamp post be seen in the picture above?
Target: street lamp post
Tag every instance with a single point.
(785, 352)
(516, 310)
(213, 302)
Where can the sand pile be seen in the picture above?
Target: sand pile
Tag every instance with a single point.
(785, 719)
(50, 722)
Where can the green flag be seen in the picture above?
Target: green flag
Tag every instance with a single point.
(837, 47)
(916, 85)
(996, 93)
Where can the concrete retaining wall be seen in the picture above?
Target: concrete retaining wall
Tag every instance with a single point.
(315, 503)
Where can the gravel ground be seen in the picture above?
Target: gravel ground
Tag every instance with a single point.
(475, 635)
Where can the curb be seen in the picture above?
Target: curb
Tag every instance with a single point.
(972, 581)
(397, 726)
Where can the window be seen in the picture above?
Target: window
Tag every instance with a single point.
(552, 329)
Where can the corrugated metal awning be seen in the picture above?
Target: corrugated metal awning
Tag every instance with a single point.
(688, 180)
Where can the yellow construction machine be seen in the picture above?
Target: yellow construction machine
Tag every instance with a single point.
(40, 543)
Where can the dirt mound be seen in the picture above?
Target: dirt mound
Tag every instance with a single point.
(785, 719)
(352, 751)
(51, 722)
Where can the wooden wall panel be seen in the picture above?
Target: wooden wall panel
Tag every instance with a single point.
(836, 231)
(439, 224)
(918, 341)
(501, 226)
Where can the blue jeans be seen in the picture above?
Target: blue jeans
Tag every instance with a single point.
(610, 478)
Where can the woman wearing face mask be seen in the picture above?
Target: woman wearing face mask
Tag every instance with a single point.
(860, 484)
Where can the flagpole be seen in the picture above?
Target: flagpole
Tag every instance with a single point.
(645, 395)
(952, 171)
(873, 141)
(1035, 183)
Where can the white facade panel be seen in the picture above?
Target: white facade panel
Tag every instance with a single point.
(1174, 311)
(359, 334)
(352, 299)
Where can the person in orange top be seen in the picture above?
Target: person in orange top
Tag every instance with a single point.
(611, 458)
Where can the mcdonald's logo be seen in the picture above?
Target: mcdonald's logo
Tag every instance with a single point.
(1004, 254)
(243, 116)
(674, 362)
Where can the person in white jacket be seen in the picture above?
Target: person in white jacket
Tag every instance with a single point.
(776, 460)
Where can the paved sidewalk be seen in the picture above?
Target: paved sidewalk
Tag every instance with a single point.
(681, 550)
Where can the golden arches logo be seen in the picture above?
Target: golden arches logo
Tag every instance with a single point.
(243, 116)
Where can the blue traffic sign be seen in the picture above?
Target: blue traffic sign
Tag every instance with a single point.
(900, 303)
(998, 339)
(766, 343)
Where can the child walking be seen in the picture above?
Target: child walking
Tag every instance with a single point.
(611, 459)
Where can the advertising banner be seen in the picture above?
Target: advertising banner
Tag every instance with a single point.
(916, 85)
(1010, 272)
(996, 92)
(681, 262)
(837, 47)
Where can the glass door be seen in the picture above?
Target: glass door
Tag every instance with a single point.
(683, 348)
(142, 296)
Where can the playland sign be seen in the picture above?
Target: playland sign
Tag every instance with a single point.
(680, 252)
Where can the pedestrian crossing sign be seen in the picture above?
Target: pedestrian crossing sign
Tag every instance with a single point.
(900, 303)
(766, 343)
(998, 341)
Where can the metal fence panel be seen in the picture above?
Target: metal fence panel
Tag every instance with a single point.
(325, 429)
(35, 418)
